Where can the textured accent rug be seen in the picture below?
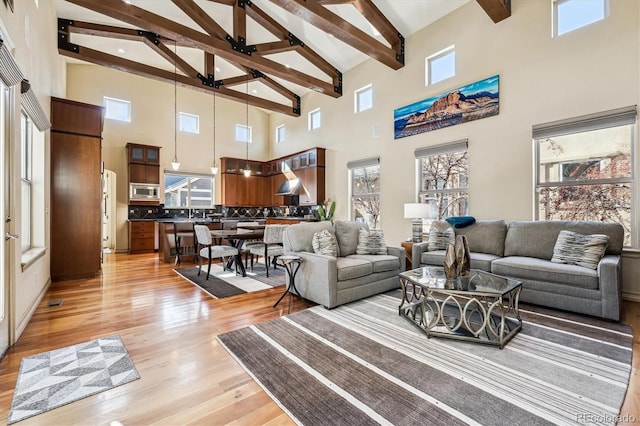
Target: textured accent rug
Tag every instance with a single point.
(52, 379)
(361, 363)
(227, 283)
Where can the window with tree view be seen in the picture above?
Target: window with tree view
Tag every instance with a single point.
(365, 192)
(586, 169)
(188, 191)
(443, 174)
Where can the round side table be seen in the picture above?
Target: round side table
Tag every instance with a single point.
(291, 264)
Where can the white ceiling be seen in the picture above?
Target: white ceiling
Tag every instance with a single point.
(408, 16)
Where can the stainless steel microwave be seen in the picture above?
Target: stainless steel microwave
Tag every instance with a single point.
(144, 192)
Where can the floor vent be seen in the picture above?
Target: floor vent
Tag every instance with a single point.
(54, 303)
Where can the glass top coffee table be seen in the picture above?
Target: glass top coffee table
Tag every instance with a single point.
(481, 307)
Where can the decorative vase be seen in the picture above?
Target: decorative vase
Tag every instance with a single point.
(463, 258)
(450, 263)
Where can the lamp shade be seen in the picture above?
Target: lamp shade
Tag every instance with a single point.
(417, 211)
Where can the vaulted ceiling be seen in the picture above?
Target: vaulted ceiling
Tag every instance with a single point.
(267, 53)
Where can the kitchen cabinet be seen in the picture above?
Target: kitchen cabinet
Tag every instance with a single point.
(144, 173)
(76, 189)
(143, 154)
(142, 236)
(312, 180)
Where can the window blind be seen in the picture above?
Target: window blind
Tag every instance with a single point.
(32, 107)
(366, 162)
(454, 146)
(585, 123)
(10, 73)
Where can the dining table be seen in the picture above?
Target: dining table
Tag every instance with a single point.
(236, 238)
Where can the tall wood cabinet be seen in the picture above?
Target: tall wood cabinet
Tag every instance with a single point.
(76, 189)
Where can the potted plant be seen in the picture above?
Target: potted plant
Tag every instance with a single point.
(325, 212)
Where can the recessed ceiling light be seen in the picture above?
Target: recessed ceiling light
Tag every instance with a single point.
(254, 91)
(120, 50)
(127, 1)
(287, 65)
(217, 69)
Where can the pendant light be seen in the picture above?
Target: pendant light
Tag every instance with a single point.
(247, 170)
(214, 166)
(175, 164)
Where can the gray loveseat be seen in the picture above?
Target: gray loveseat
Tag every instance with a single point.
(523, 250)
(332, 281)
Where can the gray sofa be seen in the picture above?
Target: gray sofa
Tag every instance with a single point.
(332, 281)
(523, 250)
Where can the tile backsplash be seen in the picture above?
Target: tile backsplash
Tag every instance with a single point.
(219, 211)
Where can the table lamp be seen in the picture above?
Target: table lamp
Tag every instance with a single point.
(417, 212)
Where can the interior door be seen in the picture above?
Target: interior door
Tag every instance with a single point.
(5, 247)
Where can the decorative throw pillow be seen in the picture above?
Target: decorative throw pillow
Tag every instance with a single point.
(441, 235)
(371, 242)
(578, 249)
(324, 242)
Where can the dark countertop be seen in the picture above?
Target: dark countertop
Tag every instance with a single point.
(208, 220)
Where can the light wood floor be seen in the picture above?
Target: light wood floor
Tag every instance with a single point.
(169, 328)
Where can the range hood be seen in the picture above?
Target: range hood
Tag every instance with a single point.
(289, 187)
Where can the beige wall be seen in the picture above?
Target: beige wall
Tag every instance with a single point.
(542, 79)
(37, 56)
(152, 106)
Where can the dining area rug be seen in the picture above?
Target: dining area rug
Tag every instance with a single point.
(226, 283)
(361, 363)
(55, 378)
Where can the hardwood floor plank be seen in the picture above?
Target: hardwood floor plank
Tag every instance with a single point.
(169, 328)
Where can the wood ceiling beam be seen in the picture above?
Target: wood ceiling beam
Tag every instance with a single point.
(182, 34)
(496, 9)
(240, 23)
(171, 57)
(99, 30)
(201, 18)
(121, 64)
(267, 22)
(209, 65)
(329, 22)
(380, 22)
(274, 47)
(268, 81)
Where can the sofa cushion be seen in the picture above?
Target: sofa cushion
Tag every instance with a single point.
(538, 238)
(347, 236)
(371, 242)
(298, 237)
(574, 248)
(485, 236)
(350, 268)
(530, 268)
(441, 234)
(478, 260)
(324, 242)
(379, 262)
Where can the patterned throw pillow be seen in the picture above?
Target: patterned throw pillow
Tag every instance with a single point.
(578, 249)
(324, 242)
(371, 242)
(441, 235)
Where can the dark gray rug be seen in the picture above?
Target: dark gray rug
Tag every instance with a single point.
(361, 363)
(52, 379)
(227, 283)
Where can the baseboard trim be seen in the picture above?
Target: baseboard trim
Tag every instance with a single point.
(631, 297)
(24, 321)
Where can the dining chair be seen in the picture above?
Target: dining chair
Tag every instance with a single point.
(206, 249)
(182, 233)
(270, 247)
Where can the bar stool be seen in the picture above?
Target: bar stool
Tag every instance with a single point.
(181, 232)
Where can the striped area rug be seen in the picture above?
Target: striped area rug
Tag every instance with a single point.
(361, 363)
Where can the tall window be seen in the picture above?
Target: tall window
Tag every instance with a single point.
(443, 178)
(188, 190)
(117, 109)
(441, 65)
(26, 158)
(280, 133)
(243, 133)
(569, 15)
(364, 176)
(189, 123)
(363, 99)
(585, 169)
(315, 119)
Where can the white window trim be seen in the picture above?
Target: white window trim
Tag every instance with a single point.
(243, 126)
(187, 115)
(277, 135)
(105, 98)
(313, 114)
(554, 18)
(356, 98)
(436, 56)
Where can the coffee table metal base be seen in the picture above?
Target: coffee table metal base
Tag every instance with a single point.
(476, 317)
